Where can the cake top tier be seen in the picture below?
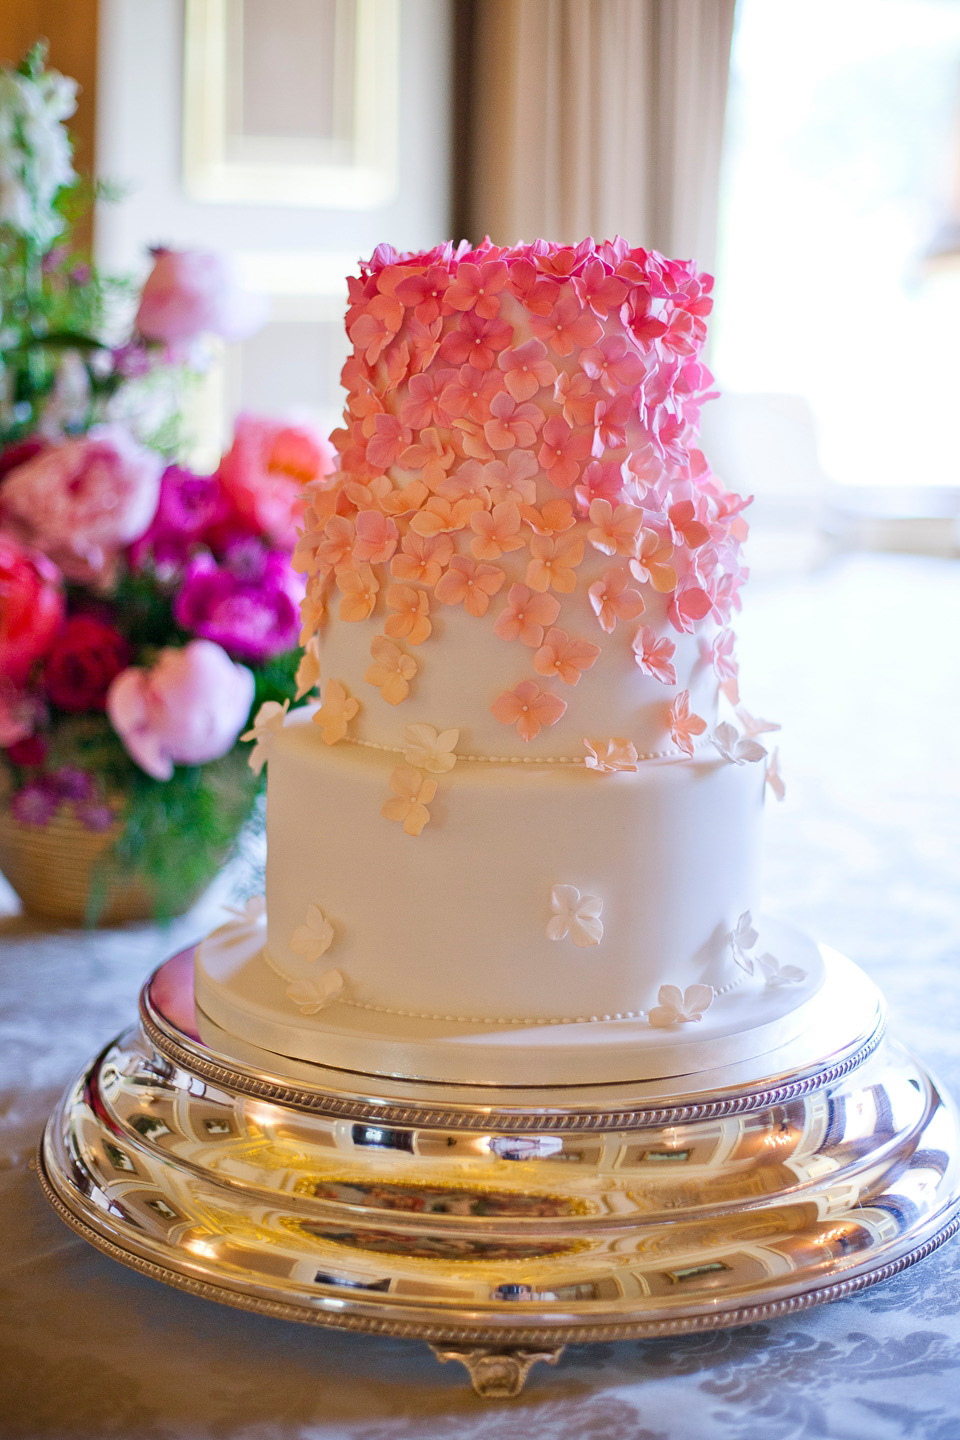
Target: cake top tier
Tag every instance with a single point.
(523, 542)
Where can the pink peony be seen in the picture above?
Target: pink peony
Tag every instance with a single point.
(187, 709)
(266, 469)
(189, 293)
(81, 502)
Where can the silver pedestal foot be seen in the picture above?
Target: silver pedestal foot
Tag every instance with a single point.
(497, 1374)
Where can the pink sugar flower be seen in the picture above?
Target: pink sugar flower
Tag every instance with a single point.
(477, 288)
(562, 451)
(389, 438)
(470, 393)
(188, 708)
(553, 517)
(430, 456)
(411, 622)
(725, 664)
(553, 563)
(687, 606)
(608, 756)
(600, 481)
(377, 537)
(375, 327)
(609, 423)
(650, 562)
(423, 342)
(359, 591)
(655, 656)
(686, 526)
(468, 481)
(512, 424)
(529, 708)
(475, 341)
(526, 369)
(567, 326)
(565, 657)
(469, 439)
(497, 531)
(613, 598)
(526, 616)
(615, 531)
(422, 558)
(614, 363)
(424, 293)
(577, 398)
(440, 516)
(469, 584)
(423, 405)
(391, 671)
(512, 479)
(683, 725)
(598, 289)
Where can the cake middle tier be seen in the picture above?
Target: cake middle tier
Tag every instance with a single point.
(535, 894)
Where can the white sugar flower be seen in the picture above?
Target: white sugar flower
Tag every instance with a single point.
(743, 937)
(429, 750)
(678, 1006)
(314, 936)
(313, 995)
(732, 747)
(777, 974)
(308, 671)
(267, 724)
(575, 915)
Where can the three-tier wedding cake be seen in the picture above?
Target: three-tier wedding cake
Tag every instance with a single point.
(510, 839)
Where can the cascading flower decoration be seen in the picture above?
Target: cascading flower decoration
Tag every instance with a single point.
(145, 609)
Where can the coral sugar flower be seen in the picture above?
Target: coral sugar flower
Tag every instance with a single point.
(469, 584)
(526, 616)
(554, 562)
(562, 656)
(562, 451)
(529, 708)
(683, 725)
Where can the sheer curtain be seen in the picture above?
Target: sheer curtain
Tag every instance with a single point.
(598, 117)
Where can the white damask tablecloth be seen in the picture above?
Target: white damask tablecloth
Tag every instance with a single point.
(862, 660)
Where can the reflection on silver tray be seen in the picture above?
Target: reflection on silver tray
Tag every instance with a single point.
(500, 1232)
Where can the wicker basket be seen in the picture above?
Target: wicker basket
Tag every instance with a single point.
(50, 868)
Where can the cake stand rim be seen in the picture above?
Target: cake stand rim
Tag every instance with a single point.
(511, 1109)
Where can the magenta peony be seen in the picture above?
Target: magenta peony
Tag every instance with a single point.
(31, 608)
(83, 501)
(191, 506)
(265, 470)
(189, 293)
(187, 709)
(250, 604)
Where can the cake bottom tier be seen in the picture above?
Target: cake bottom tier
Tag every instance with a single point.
(534, 895)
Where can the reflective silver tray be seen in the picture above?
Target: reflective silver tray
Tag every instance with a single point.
(501, 1226)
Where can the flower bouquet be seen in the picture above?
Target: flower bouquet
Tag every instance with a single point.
(144, 609)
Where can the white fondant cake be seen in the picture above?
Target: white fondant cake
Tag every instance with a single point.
(512, 809)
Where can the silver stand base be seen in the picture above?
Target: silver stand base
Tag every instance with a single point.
(502, 1228)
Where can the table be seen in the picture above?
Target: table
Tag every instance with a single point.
(861, 658)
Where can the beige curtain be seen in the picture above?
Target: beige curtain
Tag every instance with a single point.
(599, 117)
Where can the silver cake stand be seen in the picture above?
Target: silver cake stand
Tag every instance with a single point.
(500, 1226)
